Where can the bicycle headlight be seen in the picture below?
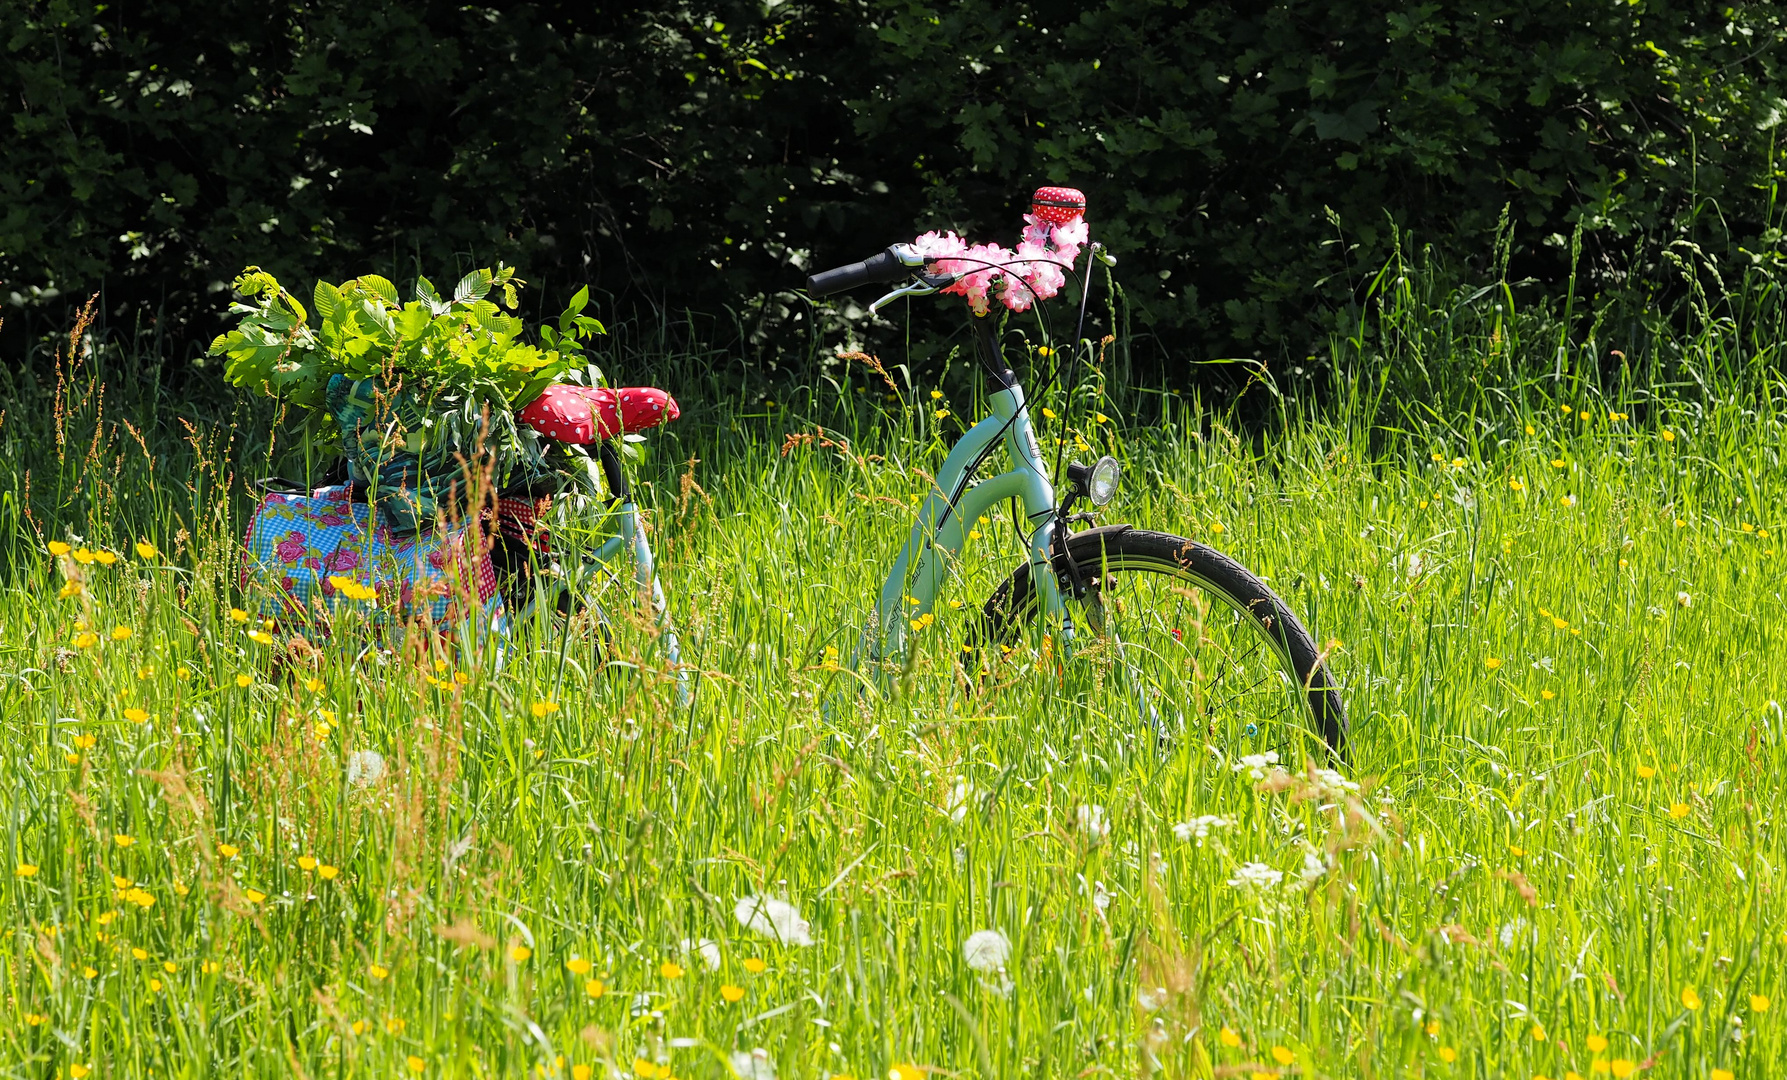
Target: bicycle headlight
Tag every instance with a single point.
(1101, 485)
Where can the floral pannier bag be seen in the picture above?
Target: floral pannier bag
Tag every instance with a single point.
(311, 554)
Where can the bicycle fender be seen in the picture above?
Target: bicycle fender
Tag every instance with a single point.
(1067, 555)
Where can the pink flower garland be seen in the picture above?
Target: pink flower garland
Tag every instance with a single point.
(1035, 271)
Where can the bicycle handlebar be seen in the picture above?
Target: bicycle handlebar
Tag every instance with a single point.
(894, 264)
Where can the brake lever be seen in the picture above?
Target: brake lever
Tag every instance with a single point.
(924, 286)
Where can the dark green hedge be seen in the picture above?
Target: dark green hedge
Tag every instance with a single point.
(1246, 161)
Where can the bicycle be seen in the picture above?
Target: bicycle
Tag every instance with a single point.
(1151, 602)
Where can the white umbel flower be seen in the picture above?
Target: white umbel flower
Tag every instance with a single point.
(986, 951)
(1199, 827)
(775, 919)
(1257, 765)
(1256, 875)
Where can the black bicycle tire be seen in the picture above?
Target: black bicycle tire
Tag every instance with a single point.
(1117, 548)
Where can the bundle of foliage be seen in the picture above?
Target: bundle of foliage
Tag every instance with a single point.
(449, 373)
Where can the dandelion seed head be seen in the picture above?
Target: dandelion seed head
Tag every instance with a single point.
(773, 918)
(986, 951)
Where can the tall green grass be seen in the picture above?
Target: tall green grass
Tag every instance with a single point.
(1556, 608)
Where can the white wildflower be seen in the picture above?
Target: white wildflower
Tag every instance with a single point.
(1091, 819)
(1682, 599)
(1314, 869)
(1256, 875)
(1151, 998)
(961, 800)
(703, 949)
(986, 951)
(1200, 827)
(365, 768)
(1101, 897)
(775, 919)
(1512, 932)
(1256, 764)
(756, 1065)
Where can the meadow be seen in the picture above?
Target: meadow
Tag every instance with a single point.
(1554, 603)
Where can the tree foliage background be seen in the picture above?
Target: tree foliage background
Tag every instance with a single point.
(1249, 162)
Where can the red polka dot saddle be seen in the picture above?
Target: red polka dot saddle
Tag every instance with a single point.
(583, 414)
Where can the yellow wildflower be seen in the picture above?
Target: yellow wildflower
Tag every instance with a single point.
(595, 988)
(755, 966)
(146, 550)
(1679, 810)
(121, 633)
(670, 970)
(1229, 1037)
(577, 965)
(520, 953)
(136, 715)
(731, 993)
(378, 971)
(58, 548)
(1283, 1055)
(306, 863)
(26, 869)
(1690, 999)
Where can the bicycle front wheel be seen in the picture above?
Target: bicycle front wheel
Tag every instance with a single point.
(1189, 631)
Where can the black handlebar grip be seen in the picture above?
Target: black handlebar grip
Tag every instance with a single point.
(883, 268)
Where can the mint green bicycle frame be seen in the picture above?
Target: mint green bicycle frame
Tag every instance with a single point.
(953, 504)
(629, 543)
